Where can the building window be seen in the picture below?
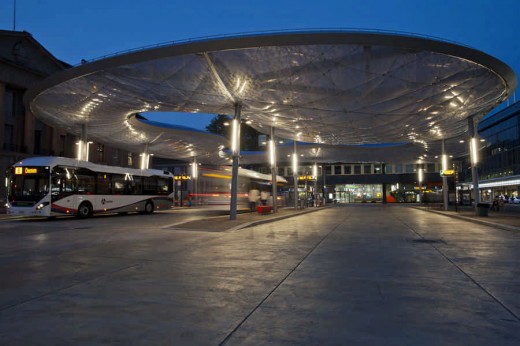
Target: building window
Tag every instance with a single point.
(357, 169)
(388, 169)
(101, 153)
(410, 168)
(347, 169)
(328, 170)
(115, 157)
(9, 137)
(13, 103)
(37, 142)
(62, 145)
(281, 171)
(130, 159)
(367, 169)
(398, 168)
(337, 169)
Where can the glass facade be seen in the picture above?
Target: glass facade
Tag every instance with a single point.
(502, 152)
(359, 193)
(499, 166)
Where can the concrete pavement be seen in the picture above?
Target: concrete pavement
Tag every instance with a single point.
(358, 274)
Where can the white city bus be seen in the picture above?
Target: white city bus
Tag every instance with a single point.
(53, 186)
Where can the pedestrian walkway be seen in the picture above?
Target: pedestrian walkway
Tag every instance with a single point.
(348, 275)
(507, 218)
(222, 223)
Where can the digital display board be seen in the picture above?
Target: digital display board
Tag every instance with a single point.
(27, 170)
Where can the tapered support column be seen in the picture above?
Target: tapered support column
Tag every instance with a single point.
(83, 144)
(420, 180)
(145, 157)
(195, 180)
(315, 176)
(473, 154)
(444, 179)
(383, 171)
(295, 176)
(274, 169)
(235, 149)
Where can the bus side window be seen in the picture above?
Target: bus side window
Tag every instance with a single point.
(86, 181)
(103, 184)
(119, 184)
(163, 186)
(137, 186)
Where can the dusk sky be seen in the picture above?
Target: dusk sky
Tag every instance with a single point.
(75, 30)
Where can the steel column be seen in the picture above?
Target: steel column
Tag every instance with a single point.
(444, 179)
(473, 150)
(274, 169)
(236, 156)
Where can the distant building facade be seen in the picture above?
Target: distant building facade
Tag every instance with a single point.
(24, 62)
(499, 166)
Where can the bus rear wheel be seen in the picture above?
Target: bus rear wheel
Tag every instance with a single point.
(84, 210)
(148, 207)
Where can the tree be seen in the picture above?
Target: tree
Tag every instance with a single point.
(249, 136)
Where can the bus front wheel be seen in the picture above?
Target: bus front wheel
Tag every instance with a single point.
(84, 210)
(148, 207)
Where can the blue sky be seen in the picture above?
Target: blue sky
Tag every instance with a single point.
(75, 30)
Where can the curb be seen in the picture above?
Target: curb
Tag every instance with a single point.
(470, 219)
(271, 219)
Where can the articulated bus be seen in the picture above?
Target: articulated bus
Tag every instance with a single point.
(53, 186)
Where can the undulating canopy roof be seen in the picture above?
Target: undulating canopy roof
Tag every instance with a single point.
(400, 93)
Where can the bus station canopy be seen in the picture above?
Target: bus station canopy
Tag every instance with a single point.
(387, 95)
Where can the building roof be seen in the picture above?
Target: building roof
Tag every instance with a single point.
(346, 88)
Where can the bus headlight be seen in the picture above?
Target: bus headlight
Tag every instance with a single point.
(41, 205)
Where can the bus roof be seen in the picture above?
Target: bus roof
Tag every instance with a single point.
(52, 161)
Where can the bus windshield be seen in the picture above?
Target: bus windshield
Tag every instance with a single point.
(28, 186)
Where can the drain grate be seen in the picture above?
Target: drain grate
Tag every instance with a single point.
(428, 241)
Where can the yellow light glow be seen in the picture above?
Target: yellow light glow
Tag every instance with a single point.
(295, 164)
(315, 171)
(420, 175)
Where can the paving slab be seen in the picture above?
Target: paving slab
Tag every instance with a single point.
(356, 274)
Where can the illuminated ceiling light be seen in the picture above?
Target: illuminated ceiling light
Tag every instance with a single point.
(482, 140)
(461, 141)
(243, 87)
